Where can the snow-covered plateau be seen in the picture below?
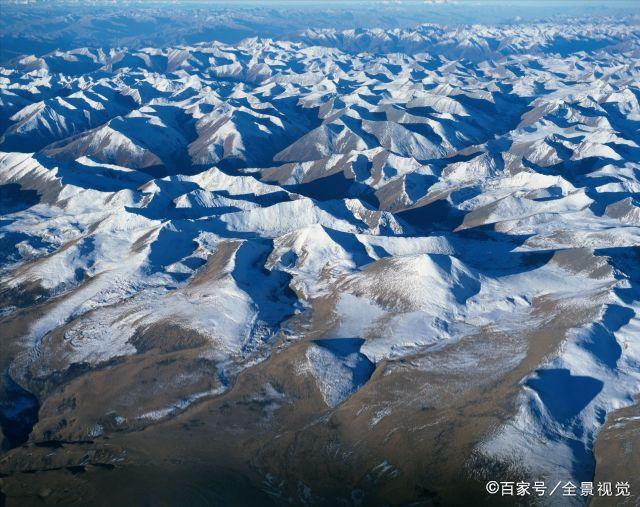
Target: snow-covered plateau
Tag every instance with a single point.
(357, 267)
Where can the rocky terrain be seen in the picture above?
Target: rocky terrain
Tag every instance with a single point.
(368, 267)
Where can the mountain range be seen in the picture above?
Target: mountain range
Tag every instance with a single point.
(368, 266)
